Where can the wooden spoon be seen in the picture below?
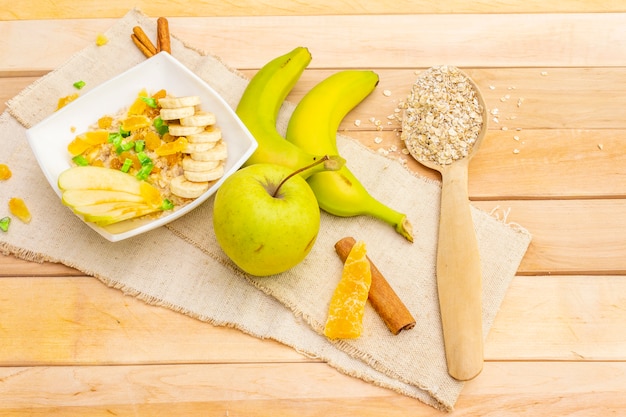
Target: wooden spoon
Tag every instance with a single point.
(459, 280)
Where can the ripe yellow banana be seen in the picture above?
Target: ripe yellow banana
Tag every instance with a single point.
(259, 106)
(313, 127)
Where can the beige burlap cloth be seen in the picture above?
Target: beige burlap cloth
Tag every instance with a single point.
(181, 267)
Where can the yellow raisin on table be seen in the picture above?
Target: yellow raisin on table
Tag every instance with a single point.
(347, 305)
(18, 208)
(5, 172)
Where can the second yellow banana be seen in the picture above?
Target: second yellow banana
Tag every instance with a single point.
(313, 127)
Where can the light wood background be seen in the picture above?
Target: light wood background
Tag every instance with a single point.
(555, 162)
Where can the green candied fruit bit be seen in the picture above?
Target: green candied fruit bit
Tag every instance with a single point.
(127, 164)
(160, 126)
(4, 224)
(115, 138)
(144, 158)
(150, 101)
(80, 160)
(167, 205)
(79, 84)
(145, 171)
(124, 133)
(140, 145)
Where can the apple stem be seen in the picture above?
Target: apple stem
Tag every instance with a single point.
(298, 171)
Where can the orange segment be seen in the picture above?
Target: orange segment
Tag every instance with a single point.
(347, 305)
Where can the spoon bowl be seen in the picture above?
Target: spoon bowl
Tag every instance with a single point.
(444, 123)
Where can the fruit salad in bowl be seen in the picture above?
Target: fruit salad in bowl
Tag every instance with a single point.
(142, 149)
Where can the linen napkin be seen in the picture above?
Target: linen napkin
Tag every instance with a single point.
(189, 273)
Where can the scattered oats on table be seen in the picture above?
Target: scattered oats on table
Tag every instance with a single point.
(443, 116)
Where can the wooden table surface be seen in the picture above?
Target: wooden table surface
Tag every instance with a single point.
(554, 162)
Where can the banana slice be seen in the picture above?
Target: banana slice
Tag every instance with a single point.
(210, 134)
(190, 164)
(182, 187)
(177, 113)
(176, 129)
(176, 102)
(217, 153)
(201, 176)
(199, 118)
(198, 147)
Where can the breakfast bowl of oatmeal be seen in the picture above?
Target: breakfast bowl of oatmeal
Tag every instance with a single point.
(141, 149)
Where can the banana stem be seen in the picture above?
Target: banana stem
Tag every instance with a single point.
(398, 220)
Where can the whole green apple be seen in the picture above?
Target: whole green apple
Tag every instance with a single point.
(266, 219)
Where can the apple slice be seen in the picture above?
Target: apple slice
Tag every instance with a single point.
(75, 197)
(106, 208)
(106, 213)
(98, 178)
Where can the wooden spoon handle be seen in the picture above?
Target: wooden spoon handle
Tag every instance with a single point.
(459, 280)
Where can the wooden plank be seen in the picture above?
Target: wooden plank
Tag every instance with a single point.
(66, 9)
(13, 267)
(398, 41)
(305, 389)
(520, 98)
(569, 236)
(560, 318)
(548, 162)
(538, 164)
(80, 321)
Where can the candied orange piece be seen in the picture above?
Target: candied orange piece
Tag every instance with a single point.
(135, 122)
(63, 101)
(78, 146)
(105, 122)
(5, 172)
(18, 209)
(159, 94)
(172, 147)
(347, 305)
(153, 140)
(151, 194)
(139, 106)
(95, 137)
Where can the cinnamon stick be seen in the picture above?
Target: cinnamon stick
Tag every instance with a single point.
(382, 297)
(163, 35)
(141, 46)
(141, 37)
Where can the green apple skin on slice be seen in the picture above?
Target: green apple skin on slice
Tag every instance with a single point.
(78, 197)
(103, 218)
(106, 208)
(98, 178)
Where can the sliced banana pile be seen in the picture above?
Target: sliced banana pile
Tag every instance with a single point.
(205, 153)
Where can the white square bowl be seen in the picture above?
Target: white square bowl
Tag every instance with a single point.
(49, 138)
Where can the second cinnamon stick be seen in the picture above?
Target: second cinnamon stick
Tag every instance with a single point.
(382, 296)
